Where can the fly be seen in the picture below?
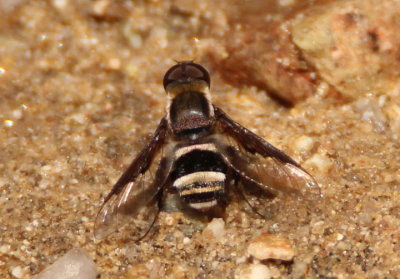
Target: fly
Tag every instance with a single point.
(196, 153)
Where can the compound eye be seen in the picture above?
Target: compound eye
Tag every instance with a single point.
(185, 72)
(195, 71)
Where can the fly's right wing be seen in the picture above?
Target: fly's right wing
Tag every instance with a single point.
(135, 195)
(260, 163)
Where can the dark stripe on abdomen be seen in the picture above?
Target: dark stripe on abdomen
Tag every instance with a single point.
(200, 178)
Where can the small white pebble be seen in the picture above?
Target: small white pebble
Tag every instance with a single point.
(322, 162)
(4, 249)
(240, 260)
(76, 264)
(274, 271)
(44, 183)
(186, 240)
(17, 114)
(79, 118)
(304, 143)
(322, 88)
(339, 237)
(17, 272)
(135, 40)
(216, 227)
(60, 4)
(46, 168)
(169, 220)
(259, 271)
(100, 7)
(114, 64)
(214, 265)
(301, 266)
(255, 271)
(8, 123)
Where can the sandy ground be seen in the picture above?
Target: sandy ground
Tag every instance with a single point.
(81, 92)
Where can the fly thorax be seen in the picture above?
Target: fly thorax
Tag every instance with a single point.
(189, 113)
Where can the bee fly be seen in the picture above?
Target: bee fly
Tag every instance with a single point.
(195, 153)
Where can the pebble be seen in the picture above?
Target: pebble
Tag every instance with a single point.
(17, 114)
(100, 7)
(339, 237)
(301, 266)
(254, 271)
(4, 249)
(8, 123)
(17, 272)
(60, 4)
(268, 246)
(76, 264)
(138, 271)
(304, 143)
(322, 162)
(170, 220)
(215, 229)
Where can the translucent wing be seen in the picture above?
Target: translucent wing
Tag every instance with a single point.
(133, 205)
(259, 163)
(134, 198)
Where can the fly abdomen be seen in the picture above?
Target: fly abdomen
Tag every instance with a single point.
(201, 190)
(200, 178)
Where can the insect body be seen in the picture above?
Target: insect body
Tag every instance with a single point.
(196, 152)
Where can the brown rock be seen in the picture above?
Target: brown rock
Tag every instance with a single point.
(260, 53)
(353, 44)
(267, 59)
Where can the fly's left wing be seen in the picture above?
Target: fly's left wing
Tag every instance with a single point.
(258, 162)
(135, 195)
